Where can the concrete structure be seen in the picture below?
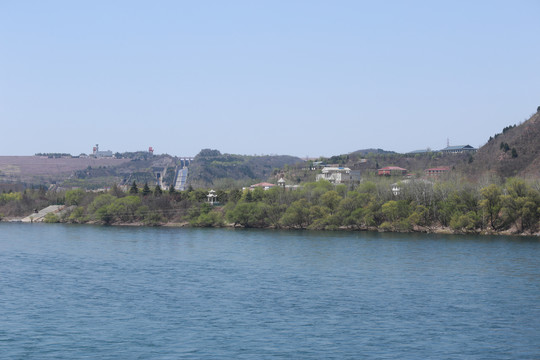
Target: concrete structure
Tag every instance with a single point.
(160, 174)
(185, 161)
(392, 170)
(39, 216)
(97, 153)
(339, 175)
(211, 198)
(181, 179)
(459, 149)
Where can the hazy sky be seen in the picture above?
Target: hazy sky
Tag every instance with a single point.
(264, 77)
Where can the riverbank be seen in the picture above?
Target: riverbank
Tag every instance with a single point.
(441, 230)
(443, 207)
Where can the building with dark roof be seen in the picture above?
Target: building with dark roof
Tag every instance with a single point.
(458, 149)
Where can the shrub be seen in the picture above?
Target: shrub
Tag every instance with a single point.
(51, 218)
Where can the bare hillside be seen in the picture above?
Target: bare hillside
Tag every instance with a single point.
(514, 152)
(43, 169)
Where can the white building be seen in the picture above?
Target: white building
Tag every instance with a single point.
(339, 175)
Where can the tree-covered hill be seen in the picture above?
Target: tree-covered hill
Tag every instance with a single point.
(211, 168)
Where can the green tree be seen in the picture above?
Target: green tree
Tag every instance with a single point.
(124, 209)
(514, 153)
(133, 190)
(246, 214)
(273, 213)
(234, 195)
(104, 215)
(145, 190)
(116, 191)
(420, 216)
(331, 200)
(465, 222)
(210, 219)
(75, 197)
(390, 210)
(257, 194)
(77, 215)
(297, 215)
(491, 204)
(100, 201)
(158, 191)
(51, 218)
(248, 196)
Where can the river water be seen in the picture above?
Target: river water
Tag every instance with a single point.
(90, 292)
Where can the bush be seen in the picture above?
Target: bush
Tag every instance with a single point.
(51, 218)
(465, 222)
(152, 219)
(210, 219)
(386, 226)
(77, 216)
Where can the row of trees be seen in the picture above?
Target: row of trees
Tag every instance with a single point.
(418, 205)
(421, 206)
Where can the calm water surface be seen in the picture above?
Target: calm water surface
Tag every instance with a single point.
(89, 292)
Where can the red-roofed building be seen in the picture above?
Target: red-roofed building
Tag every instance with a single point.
(392, 170)
(433, 172)
(264, 185)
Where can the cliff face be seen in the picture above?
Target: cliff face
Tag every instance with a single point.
(514, 152)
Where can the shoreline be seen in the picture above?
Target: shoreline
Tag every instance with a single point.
(440, 230)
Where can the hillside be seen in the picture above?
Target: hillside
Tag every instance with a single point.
(514, 152)
(211, 168)
(414, 163)
(139, 169)
(365, 152)
(84, 172)
(42, 169)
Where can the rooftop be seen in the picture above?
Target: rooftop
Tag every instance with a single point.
(458, 147)
(393, 168)
(263, 184)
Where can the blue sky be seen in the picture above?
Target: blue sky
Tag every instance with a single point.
(305, 78)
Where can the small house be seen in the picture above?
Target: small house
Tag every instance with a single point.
(339, 175)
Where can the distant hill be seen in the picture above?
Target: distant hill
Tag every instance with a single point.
(514, 152)
(209, 166)
(364, 152)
